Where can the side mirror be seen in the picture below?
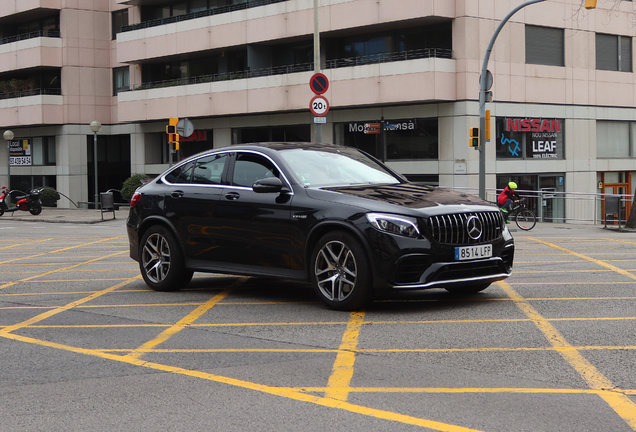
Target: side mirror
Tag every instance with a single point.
(268, 185)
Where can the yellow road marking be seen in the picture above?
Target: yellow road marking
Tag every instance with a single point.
(185, 321)
(458, 390)
(61, 250)
(180, 325)
(619, 402)
(276, 391)
(24, 244)
(587, 258)
(620, 241)
(5, 331)
(342, 371)
(8, 284)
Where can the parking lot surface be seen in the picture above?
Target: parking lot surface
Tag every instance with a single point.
(87, 346)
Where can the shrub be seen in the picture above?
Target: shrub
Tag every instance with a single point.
(48, 193)
(131, 184)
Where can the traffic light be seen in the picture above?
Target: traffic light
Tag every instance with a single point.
(487, 129)
(590, 4)
(474, 137)
(171, 130)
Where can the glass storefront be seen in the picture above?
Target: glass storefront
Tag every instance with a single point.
(402, 139)
(530, 138)
(541, 193)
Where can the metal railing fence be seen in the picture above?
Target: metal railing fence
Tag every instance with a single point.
(295, 68)
(203, 13)
(30, 35)
(562, 207)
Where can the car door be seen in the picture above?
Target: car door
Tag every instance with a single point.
(256, 225)
(191, 203)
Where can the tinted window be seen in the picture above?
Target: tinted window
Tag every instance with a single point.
(180, 174)
(209, 170)
(249, 168)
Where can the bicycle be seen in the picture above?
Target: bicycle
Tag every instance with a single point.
(524, 217)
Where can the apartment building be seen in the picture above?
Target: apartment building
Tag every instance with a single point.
(562, 109)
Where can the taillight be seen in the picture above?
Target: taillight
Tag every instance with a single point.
(135, 199)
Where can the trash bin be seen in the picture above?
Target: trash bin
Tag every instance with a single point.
(107, 203)
(612, 209)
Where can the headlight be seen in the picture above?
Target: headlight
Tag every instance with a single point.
(399, 225)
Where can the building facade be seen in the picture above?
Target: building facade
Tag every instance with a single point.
(562, 109)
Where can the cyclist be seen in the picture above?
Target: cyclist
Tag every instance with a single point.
(507, 197)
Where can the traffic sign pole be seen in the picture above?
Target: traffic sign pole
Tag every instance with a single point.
(317, 126)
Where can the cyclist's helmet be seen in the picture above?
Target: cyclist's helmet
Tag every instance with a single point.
(512, 185)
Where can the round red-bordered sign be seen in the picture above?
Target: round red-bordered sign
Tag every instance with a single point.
(319, 106)
(319, 83)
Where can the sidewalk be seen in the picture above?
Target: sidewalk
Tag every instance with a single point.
(84, 216)
(76, 216)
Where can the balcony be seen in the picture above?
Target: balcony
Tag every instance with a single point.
(204, 13)
(30, 50)
(26, 8)
(368, 80)
(284, 70)
(40, 107)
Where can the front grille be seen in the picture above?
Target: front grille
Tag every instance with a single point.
(451, 228)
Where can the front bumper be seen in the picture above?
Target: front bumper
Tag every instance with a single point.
(402, 263)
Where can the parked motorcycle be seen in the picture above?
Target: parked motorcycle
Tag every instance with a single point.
(23, 201)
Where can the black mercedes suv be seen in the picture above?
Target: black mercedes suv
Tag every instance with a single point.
(327, 214)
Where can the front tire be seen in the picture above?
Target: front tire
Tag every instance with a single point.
(526, 220)
(35, 209)
(340, 272)
(161, 261)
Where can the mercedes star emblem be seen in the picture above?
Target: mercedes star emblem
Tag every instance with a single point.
(473, 226)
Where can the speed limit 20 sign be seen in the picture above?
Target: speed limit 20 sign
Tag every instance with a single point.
(319, 106)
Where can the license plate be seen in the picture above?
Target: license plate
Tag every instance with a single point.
(473, 252)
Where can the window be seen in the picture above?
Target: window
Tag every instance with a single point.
(120, 80)
(530, 138)
(544, 46)
(119, 19)
(44, 150)
(180, 174)
(296, 133)
(612, 139)
(406, 139)
(613, 52)
(249, 168)
(209, 170)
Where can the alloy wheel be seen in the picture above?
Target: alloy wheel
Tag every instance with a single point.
(156, 258)
(336, 271)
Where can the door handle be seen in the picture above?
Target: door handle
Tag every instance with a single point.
(232, 196)
(176, 194)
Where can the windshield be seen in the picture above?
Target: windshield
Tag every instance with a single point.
(336, 168)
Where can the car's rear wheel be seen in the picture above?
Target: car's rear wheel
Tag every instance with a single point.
(340, 272)
(161, 261)
(465, 290)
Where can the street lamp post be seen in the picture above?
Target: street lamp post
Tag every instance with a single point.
(8, 135)
(95, 127)
(483, 89)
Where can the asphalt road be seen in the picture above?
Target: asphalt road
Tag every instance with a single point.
(85, 346)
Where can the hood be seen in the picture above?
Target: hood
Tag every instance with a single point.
(411, 196)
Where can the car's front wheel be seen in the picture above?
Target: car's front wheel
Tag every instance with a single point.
(340, 272)
(161, 261)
